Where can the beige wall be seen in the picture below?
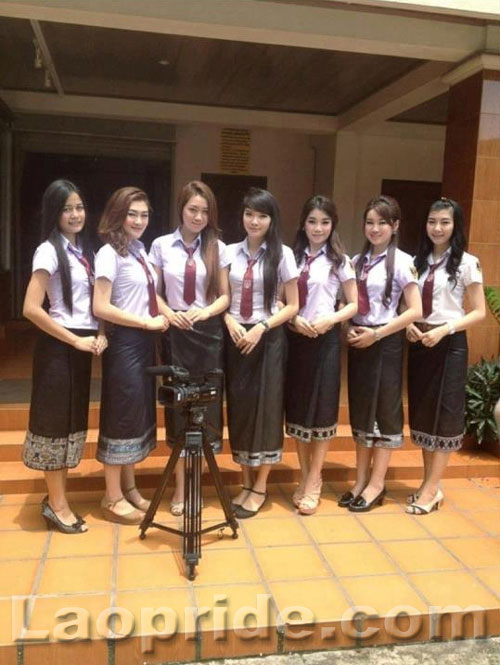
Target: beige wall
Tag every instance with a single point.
(298, 165)
(362, 161)
(286, 158)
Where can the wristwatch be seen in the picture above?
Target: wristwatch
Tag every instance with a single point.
(265, 324)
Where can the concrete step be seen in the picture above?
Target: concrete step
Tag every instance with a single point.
(11, 442)
(15, 478)
(14, 416)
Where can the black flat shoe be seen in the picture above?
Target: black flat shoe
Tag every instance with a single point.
(238, 505)
(346, 499)
(361, 505)
(243, 513)
(53, 522)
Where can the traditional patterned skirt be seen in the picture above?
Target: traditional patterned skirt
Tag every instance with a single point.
(375, 384)
(255, 399)
(200, 351)
(436, 393)
(127, 431)
(312, 385)
(59, 404)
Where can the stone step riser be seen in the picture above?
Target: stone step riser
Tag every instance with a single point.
(15, 416)
(11, 452)
(15, 478)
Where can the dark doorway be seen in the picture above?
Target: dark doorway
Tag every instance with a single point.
(229, 191)
(98, 178)
(414, 197)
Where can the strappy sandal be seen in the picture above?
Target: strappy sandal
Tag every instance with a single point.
(121, 511)
(298, 494)
(141, 504)
(420, 509)
(309, 503)
(177, 507)
(244, 513)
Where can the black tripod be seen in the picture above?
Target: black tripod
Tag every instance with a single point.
(194, 443)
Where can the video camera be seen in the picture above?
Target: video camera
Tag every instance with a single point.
(179, 389)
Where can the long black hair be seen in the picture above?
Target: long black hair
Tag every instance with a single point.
(457, 240)
(209, 235)
(388, 208)
(53, 202)
(263, 201)
(334, 248)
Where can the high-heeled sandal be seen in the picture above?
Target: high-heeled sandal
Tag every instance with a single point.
(298, 494)
(413, 497)
(141, 504)
(245, 513)
(53, 522)
(421, 509)
(177, 507)
(361, 505)
(79, 518)
(309, 503)
(128, 514)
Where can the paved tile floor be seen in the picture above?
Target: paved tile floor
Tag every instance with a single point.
(312, 570)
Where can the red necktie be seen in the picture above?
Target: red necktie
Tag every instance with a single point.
(246, 305)
(152, 302)
(189, 294)
(88, 270)
(303, 279)
(428, 289)
(363, 299)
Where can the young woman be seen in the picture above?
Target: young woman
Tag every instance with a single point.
(255, 350)
(125, 295)
(313, 370)
(384, 274)
(437, 362)
(192, 273)
(63, 270)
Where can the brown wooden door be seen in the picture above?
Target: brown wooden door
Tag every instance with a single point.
(229, 191)
(414, 197)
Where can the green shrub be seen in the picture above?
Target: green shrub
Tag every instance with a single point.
(482, 393)
(493, 299)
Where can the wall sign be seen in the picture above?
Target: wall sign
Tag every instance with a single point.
(234, 151)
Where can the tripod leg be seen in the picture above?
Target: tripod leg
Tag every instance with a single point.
(160, 490)
(222, 492)
(192, 501)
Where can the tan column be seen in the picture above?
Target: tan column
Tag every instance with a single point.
(471, 175)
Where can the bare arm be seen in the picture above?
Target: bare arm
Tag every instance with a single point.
(475, 295)
(249, 340)
(347, 311)
(362, 337)
(109, 312)
(33, 310)
(163, 308)
(219, 305)
(412, 312)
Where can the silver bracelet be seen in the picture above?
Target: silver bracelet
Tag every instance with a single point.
(265, 324)
(376, 334)
(451, 329)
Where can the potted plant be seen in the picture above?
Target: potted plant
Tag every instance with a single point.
(482, 411)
